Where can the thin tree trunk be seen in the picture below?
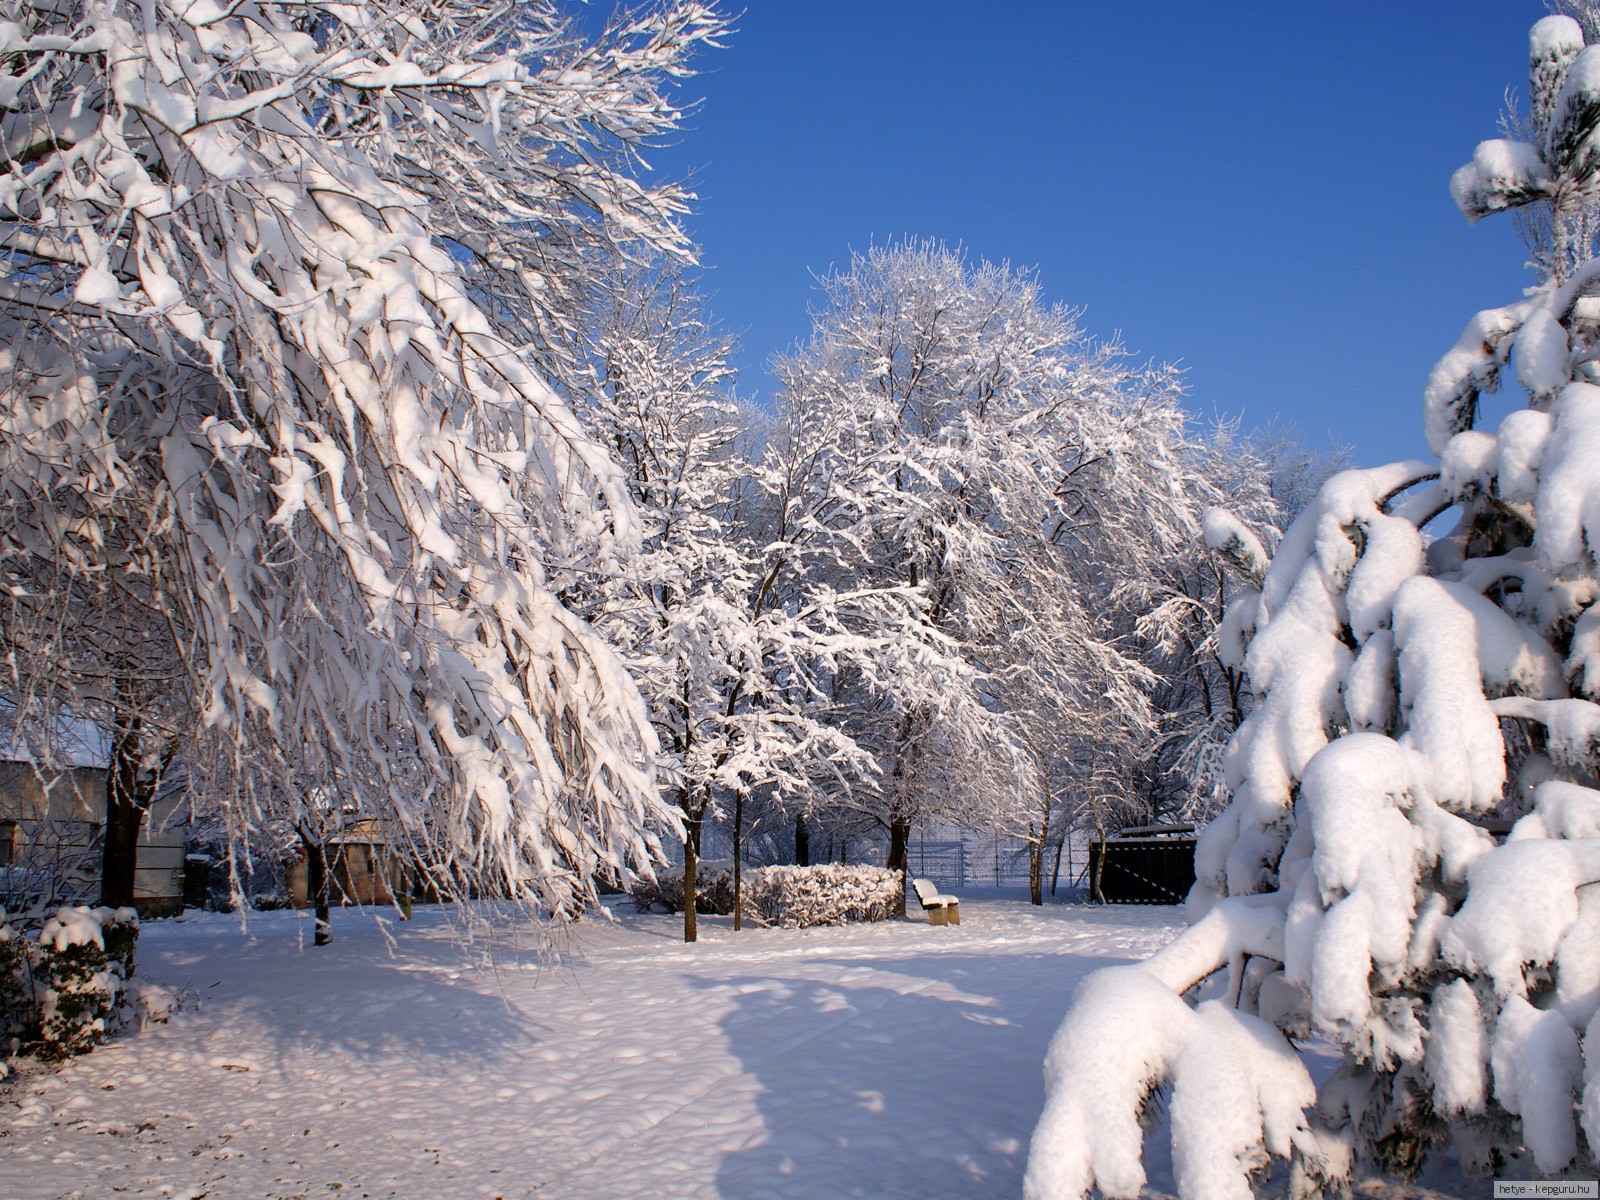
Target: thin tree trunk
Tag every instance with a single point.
(1099, 871)
(802, 843)
(691, 863)
(899, 822)
(899, 852)
(738, 849)
(1036, 850)
(317, 884)
(1055, 874)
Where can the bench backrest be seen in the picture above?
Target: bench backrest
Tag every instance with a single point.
(925, 890)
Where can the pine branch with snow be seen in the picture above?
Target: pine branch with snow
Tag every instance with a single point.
(1413, 696)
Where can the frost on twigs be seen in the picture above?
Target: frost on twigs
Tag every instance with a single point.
(287, 289)
(1408, 866)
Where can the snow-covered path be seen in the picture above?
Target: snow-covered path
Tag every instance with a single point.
(881, 1061)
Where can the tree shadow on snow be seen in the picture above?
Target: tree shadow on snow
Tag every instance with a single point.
(421, 995)
(895, 1077)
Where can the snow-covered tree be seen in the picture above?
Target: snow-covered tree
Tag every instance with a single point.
(1561, 228)
(1405, 867)
(277, 334)
(1180, 600)
(736, 640)
(979, 448)
(719, 664)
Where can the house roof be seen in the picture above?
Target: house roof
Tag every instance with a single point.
(65, 741)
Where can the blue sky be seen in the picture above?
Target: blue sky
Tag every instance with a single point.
(1258, 192)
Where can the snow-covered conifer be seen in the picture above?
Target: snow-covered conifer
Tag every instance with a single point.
(281, 299)
(1405, 867)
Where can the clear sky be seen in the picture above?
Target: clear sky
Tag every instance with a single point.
(1259, 192)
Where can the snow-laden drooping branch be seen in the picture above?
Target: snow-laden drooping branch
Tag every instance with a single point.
(287, 286)
(1414, 697)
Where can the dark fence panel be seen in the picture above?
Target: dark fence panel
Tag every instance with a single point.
(1141, 870)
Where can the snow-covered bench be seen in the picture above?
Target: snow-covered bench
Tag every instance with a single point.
(941, 910)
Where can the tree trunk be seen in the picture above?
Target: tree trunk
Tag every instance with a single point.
(124, 816)
(1099, 871)
(899, 853)
(1036, 851)
(1055, 874)
(317, 884)
(802, 843)
(691, 863)
(738, 848)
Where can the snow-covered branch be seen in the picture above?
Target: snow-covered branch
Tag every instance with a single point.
(1409, 695)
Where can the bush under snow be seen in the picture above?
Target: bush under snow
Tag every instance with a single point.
(1413, 696)
(796, 897)
(713, 888)
(829, 894)
(63, 991)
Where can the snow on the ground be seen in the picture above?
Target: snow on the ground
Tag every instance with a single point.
(895, 1059)
(889, 1060)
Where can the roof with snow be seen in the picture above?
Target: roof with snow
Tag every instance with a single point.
(65, 741)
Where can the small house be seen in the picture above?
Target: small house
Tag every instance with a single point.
(363, 868)
(52, 822)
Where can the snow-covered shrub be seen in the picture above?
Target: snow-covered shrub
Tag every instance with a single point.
(828, 894)
(152, 1004)
(713, 889)
(1414, 699)
(62, 992)
(19, 1013)
(85, 961)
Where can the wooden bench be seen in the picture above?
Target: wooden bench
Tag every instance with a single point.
(941, 910)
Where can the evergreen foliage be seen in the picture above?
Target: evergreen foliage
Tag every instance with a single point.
(1404, 867)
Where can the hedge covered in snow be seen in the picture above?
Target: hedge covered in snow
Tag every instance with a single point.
(795, 897)
(831, 894)
(60, 993)
(713, 888)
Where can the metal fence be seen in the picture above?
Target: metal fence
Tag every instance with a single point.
(974, 861)
(947, 856)
(945, 863)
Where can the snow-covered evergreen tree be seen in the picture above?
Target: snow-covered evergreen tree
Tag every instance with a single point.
(1405, 866)
(281, 297)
